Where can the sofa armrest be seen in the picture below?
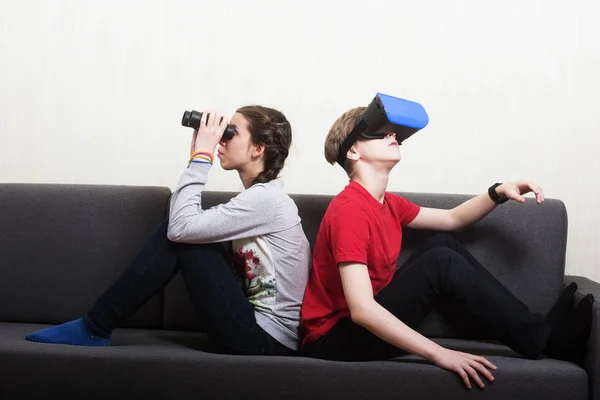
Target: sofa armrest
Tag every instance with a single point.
(592, 358)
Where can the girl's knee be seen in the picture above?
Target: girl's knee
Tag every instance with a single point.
(193, 248)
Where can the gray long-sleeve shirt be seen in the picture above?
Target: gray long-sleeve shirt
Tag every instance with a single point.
(268, 241)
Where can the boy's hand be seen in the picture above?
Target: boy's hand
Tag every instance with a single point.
(516, 190)
(465, 365)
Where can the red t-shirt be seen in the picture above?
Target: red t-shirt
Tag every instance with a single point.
(356, 227)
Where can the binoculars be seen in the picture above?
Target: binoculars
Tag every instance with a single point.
(191, 119)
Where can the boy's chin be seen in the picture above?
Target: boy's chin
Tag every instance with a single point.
(394, 159)
(391, 163)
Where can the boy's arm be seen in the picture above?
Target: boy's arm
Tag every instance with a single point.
(473, 209)
(365, 311)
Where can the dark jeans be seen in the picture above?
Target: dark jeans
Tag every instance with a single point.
(441, 271)
(216, 294)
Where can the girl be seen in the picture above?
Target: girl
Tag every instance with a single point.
(269, 251)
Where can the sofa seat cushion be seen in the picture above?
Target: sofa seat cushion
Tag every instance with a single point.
(175, 364)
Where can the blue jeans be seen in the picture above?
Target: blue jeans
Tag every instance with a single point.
(216, 294)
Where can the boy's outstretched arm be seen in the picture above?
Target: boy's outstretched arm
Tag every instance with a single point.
(366, 312)
(473, 209)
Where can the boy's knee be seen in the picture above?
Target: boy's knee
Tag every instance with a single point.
(444, 258)
(441, 240)
(441, 254)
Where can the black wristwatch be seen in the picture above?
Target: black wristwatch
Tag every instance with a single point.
(494, 195)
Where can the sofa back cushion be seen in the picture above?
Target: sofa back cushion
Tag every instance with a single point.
(61, 246)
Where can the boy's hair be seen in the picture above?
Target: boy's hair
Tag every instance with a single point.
(339, 131)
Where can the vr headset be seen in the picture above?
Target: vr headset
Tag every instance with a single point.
(386, 114)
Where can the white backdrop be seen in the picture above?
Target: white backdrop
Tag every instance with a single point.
(93, 92)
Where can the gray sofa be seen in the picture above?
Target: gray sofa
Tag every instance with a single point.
(62, 245)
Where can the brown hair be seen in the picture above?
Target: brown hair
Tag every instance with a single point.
(270, 128)
(339, 131)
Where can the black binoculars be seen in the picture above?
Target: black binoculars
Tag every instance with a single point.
(191, 119)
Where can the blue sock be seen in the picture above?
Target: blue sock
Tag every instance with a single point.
(75, 332)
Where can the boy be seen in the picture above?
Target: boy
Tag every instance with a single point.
(357, 308)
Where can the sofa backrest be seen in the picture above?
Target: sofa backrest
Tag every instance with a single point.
(61, 246)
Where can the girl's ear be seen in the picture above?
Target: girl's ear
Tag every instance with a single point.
(258, 150)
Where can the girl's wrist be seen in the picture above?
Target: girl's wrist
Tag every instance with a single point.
(202, 157)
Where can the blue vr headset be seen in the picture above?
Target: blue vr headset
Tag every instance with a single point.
(384, 115)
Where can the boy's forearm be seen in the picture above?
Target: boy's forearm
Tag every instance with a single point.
(387, 327)
(472, 210)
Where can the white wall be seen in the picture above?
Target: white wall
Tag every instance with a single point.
(93, 92)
